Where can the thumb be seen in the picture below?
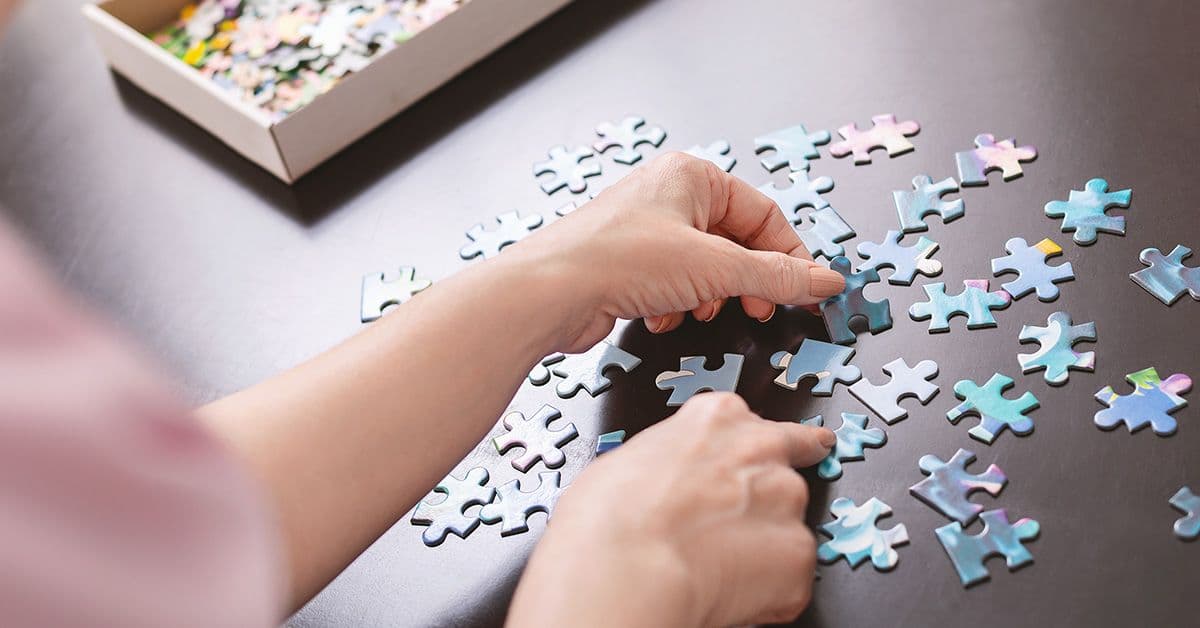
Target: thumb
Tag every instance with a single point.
(780, 278)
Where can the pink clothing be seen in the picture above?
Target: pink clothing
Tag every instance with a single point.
(117, 508)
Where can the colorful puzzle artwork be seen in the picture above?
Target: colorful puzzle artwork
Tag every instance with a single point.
(905, 261)
(1056, 356)
(692, 378)
(924, 199)
(828, 363)
(999, 538)
(1085, 211)
(1167, 278)
(1151, 403)
(974, 302)
(1187, 502)
(949, 485)
(1033, 273)
(856, 537)
(852, 437)
(840, 309)
(989, 155)
(994, 410)
(884, 133)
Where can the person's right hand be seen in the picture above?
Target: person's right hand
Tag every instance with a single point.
(698, 520)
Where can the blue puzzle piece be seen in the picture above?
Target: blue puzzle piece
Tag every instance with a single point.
(989, 155)
(950, 484)
(852, 438)
(1167, 278)
(826, 362)
(1084, 211)
(1056, 355)
(855, 536)
(999, 538)
(974, 302)
(792, 147)
(609, 441)
(567, 168)
(1188, 527)
(1151, 403)
(821, 238)
(1033, 273)
(692, 378)
(906, 261)
(925, 199)
(995, 411)
(840, 309)
(904, 382)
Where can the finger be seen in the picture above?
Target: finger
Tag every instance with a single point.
(664, 323)
(804, 445)
(708, 311)
(751, 218)
(758, 309)
(775, 277)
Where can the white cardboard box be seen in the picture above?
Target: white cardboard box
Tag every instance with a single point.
(291, 147)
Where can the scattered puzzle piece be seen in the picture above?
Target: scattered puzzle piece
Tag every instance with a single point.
(904, 382)
(840, 309)
(1033, 273)
(852, 438)
(584, 370)
(382, 290)
(999, 538)
(855, 536)
(1151, 402)
(827, 227)
(1187, 528)
(1056, 355)
(884, 133)
(792, 147)
(803, 192)
(609, 441)
(974, 302)
(568, 169)
(513, 228)
(692, 378)
(924, 199)
(949, 485)
(1084, 211)
(826, 362)
(717, 152)
(627, 135)
(989, 155)
(1167, 278)
(512, 506)
(905, 261)
(536, 438)
(446, 517)
(995, 411)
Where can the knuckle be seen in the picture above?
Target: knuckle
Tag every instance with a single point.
(729, 404)
(780, 281)
(676, 162)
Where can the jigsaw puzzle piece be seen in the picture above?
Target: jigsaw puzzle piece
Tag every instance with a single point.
(1167, 278)
(1151, 403)
(974, 302)
(568, 169)
(584, 371)
(791, 147)
(447, 516)
(904, 382)
(989, 155)
(828, 363)
(627, 135)
(1033, 273)
(949, 485)
(1084, 211)
(1056, 355)
(999, 538)
(1187, 527)
(855, 536)
(840, 309)
(692, 378)
(852, 439)
(609, 441)
(803, 192)
(535, 437)
(924, 199)
(825, 232)
(884, 133)
(513, 227)
(383, 290)
(994, 410)
(716, 152)
(905, 261)
(512, 506)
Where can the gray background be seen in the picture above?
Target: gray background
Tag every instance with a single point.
(228, 276)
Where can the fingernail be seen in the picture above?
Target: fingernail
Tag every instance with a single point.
(769, 316)
(824, 283)
(827, 438)
(712, 313)
(654, 324)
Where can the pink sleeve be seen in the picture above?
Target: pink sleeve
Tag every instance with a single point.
(116, 507)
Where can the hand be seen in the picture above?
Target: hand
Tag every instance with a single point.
(676, 235)
(698, 520)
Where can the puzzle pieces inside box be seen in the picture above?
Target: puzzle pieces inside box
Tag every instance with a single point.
(1056, 355)
(383, 290)
(1167, 278)
(716, 152)
(584, 370)
(840, 309)
(924, 199)
(535, 437)
(905, 261)
(512, 506)
(1188, 526)
(512, 228)
(856, 537)
(904, 382)
(999, 538)
(989, 155)
(828, 363)
(884, 133)
(996, 412)
(1084, 211)
(1033, 273)
(447, 516)
(627, 135)
(974, 302)
(791, 147)
(692, 378)
(949, 485)
(569, 169)
(1151, 403)
(852, 438)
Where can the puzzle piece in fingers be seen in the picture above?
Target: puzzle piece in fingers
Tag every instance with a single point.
(925, 199)
(852, 438)
(999, 538)
(692, 378)
(950, 484)
(447, 516)
(989, 155)
(1187, 527)
(974, 302)
(828, 363)
(884, 133)
(535, 437)
(569, 169)
(995, 411)
(1167, 278)
(803, 192)
(383, 290)
(855, 535)
(716, 152)
(840, 309)
(584, 370)
(512, 506)
(905, 261)
(627, 135)
(1151, 403)
(904, 382)
(791, 147)
(513, 227)
(1056, 355)
(1033, 273)
(1084, 211)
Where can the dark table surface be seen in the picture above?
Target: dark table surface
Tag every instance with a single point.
(229, 276)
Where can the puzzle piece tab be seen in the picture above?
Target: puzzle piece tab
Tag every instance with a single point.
(383, 290)
(840, 309)
(627, 135)
(1188, 527)
(949, 485)
(974, 302)
(1056, 355)
(906, 261)
(999, 538)
(884, 133)
(692, 378)
(536, 438)
(826, 230)
(1084, 211)
(826, 362)
(446, 517)
(1151, 403)
(1033, 273)
(1167, 278)
(791, 147)
(855, 536)
(989, 155)
(512, 506)
(716, 152)
(803, 192)
(513, 227)
(994, 410)
(568, 169)
(852, 438)
(904, 382)
(925, 199)
(584, 370)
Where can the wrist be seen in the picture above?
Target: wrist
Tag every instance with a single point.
(568, 293)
